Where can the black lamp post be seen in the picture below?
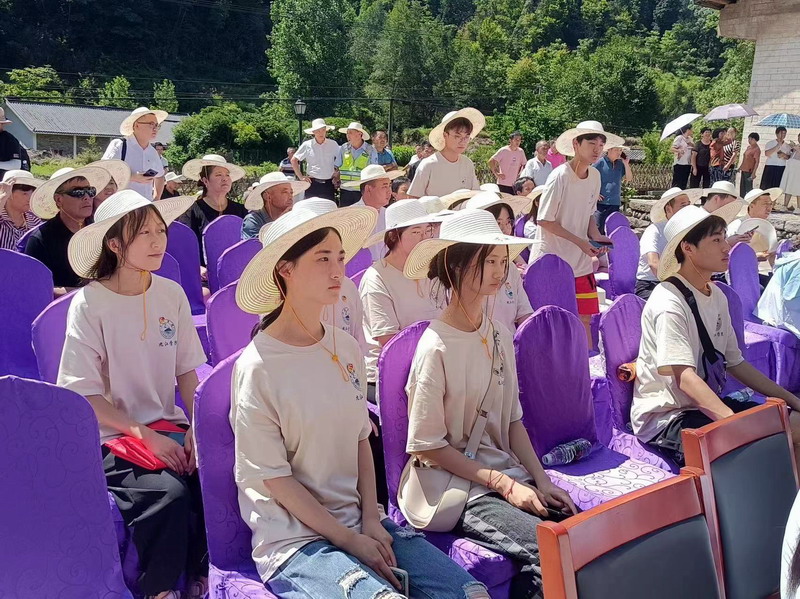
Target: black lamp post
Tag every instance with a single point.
(300, 111)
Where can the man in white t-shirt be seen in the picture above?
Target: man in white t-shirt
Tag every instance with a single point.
(539, 167)
(375, 186)
(677, 385)
(448, 169)
(682, 163)
(507, 163)
(777, 152)
(319, 154)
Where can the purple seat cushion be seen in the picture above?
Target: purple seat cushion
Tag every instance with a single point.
(623, 260)
(627, 444)
(229, 326)
(225, 584)
(492, 569)
(232, 262)
(220, 234)
(549, 281)
(182, 245)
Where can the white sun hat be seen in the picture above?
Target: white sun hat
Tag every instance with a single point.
(773, 192)
(454, 198)
(473, 115)
(257, 292)
(356, 127)
(465, 226)
(679, 226)
(765, 238)
(564, 141)
(657, 211)
(254, 200)
(536, 192)
(171, 176)
(318, 124)
(373, 172)
(85, 246)
(18, 177)
(126, 127)
(43, 204)
(193, 167)
(486, 199)
(119, 171)
(405, 213)
(722, 187)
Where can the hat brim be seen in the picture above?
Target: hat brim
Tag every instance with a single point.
(356, 185)
(257, 292)
(564, 141)
(458, 196)
(419, 260)
(774, 194)
(378, 237)
(43, 204)
(254, 201)
(192, 168)
(658, 210)
(473, 115)
(126, 127)
(768, 237)
(311, 131)
(519, 204)
(119, 171)
(87, 244)
(364, 133)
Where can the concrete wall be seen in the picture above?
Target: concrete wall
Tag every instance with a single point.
(17, 129)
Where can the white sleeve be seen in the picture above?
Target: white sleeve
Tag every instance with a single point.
(551, 198)
(419, 185)
(114, 150)
(647, 244)
(80, 369)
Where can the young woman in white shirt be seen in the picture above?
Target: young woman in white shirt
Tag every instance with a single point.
(510, 491)
(130, 337)
(303, 464)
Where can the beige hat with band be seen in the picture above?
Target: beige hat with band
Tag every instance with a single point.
(43, 204)
(473, 115)
(373, 172)
(564, 141)
(193, 168)
(126, 127)
(254, 201)
(355, 126)
(658, 210)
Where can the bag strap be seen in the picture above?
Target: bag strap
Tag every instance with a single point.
(712, 355)
(124, 148)
(485, 406)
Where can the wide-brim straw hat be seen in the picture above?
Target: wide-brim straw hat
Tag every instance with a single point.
(193, 168)
(86, 245)
(356, 127)
(564, 141)
(254, 200)
(473, 115)
(3, 119)
(18, 177)
(257, 291)
(657, 211)
(722, 187)
(119, 171)
(43, 204)
(486, 199)
(171, 176)
(536, 192)
(679, 226)
(402, 214)
(318, 124)
(465, 226)
(773, 192)
(373, 172)
(765, 238)
(454, 198)
(126, 127)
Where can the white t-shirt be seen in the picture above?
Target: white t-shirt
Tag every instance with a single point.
(776, 160)
(104, 354)
(348, 313)
(378, 250)
(319, 158)
(538, 171)
(437, 176)
(570, 202)
(670, 338)
(293, 415)
(680, 143)
(510, 303)
(530, 229)
(449, 376)
(139, 159)
(791, 536)
(653, 240)
(391, 303)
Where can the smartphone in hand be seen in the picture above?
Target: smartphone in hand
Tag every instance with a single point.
(402, 577)
(149, 173)
(600, 244)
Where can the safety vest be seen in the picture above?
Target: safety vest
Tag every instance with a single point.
(351, 167)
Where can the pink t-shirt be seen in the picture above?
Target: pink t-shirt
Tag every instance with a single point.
(511, 163)
(556, 159)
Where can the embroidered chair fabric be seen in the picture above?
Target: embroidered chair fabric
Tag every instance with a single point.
(233, 260)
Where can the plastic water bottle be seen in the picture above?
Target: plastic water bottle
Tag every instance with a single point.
(567, 453)
(742, 395)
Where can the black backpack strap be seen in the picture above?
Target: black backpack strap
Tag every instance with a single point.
(124, 148)
(705, 339)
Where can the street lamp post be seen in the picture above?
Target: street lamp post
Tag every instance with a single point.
(300, 111)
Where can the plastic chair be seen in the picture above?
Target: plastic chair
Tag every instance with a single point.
(48, 332)
(356, 278)
(182, 245)
(623, 261)
(361, 261)
(616, 220)
(223, 232)
(58, 533)
(394, 364)
(23, 241)
(229, 326)
(27, 288)
(232, 262)
(784, 247)
(519, 231)
(549, 281)
(170, 269)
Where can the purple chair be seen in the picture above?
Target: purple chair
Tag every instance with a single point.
(394, 364)
(220, 234)
(229, 326)
(23, 241)
(27, 286)
(58, 534)
(356, 278)
(616, 220)
(620, 335)
(784, 247)
(170, 269)
(232, 262)
(623, 260)
(182, 245)
(549, 281)
(519, 231)
(553, 371)
(361, 261)
(49, 330)
(232, 573)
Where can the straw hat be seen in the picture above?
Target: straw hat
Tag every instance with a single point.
(459, 195)
(536, 192)
(405, 213)
(486, 199)
(119, 171)
(679, 226)
(724, 188)
(257, 292)
(473, 115)
(657, 212)
(765, 238)
(432, 204)
(318, 124)
(465, 226)
(564, 141)
(373, 172)
(43, 204)
(773, 192)
(85, 246)
(18, 177)
(170, 177)
(126, 128)
(254, 200)
(192, 168)
(357, 127)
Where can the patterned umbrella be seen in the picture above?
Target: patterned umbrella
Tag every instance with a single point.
(780, 119)
(730, 111)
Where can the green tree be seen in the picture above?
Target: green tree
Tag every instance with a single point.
(34, 83)
(732, 85)
(164, 96)
(117, 92)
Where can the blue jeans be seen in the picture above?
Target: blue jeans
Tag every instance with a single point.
(321, 570)
(603, 212)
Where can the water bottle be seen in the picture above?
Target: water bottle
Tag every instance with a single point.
(742, 395)
(567, 453)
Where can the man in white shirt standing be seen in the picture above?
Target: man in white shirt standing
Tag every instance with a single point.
(539, 167)
(375, 186)
(682, 163)
(139, 130)
(777, 152)
(320, 155)
(508, 162)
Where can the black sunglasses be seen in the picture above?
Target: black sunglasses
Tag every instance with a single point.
(21, 187)
(80, 192)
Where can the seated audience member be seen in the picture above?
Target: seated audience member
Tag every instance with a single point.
(271, 198)
(303, 465)
(688, 342)
(533, 215)
(120, 179)
(523, 186)
(172, 185)
(130, 338)
(67, 200)
(462, 354)
(759, 205)
(653, 242)
(723, 193)
(16, 217)
(779, 305)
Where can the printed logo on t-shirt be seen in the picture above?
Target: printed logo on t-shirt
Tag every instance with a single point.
(166, 327)
(509, 292)
(351, 372)
(718, 332)
(345, 314)
(499, 366)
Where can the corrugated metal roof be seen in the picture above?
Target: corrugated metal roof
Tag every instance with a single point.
(69, 119)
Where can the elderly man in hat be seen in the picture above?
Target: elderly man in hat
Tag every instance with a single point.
(172, 185)
(271, 198)
(320, 155)
(354, 156)
(11, 152)
(375, 188)
(139, 129)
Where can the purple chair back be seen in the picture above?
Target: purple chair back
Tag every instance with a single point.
(220, 234)
(620, 335)
(356, 278)
(49, 331)
(170, 269)
(228, 326)
(58, 535)
(623, 261)
(549, 281)
(519, 231)
(182, 245)
(553, 371)
(27, 288)
(361, 261)
(735, 310)
(784, 247)
(394, 364)
(616, 220)
(232, 262)
(23, 241)
(743, 274)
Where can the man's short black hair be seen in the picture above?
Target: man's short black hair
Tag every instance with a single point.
(755, 136)
(684, 129)
(779, 129)
(713, 225)
(515, 134)
(590, 137)
(704, 129)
